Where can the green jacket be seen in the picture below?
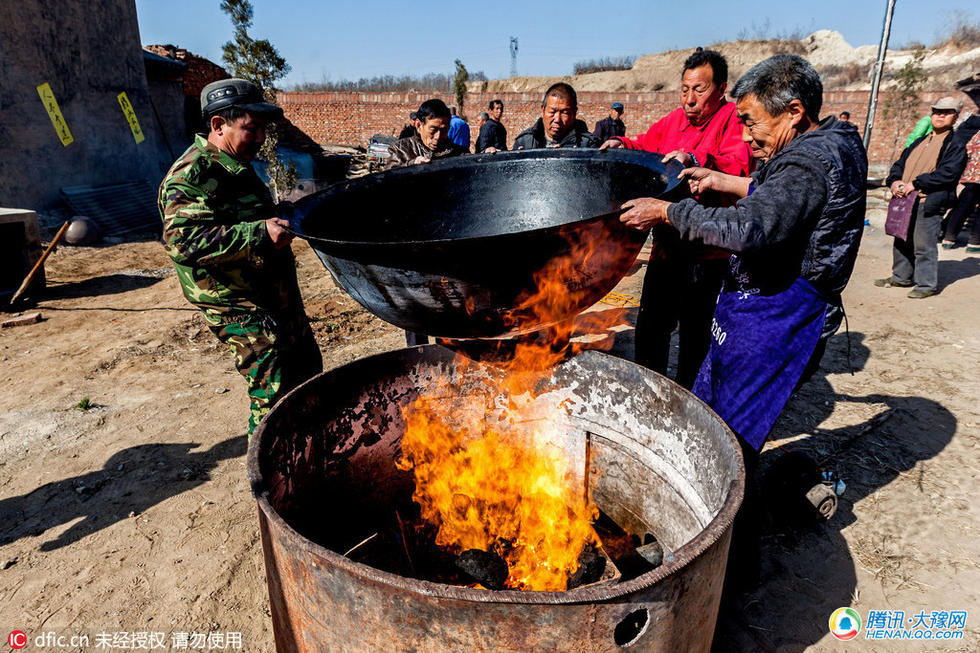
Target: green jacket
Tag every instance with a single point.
(214, 210)
(922, 128)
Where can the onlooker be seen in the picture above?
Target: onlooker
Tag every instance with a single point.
(558, 125)
(968, 200)
(931, 166)
(493, 134)
(481, 119)
(966, 133)
(683, 279)
(459, 131)
(409, 129)
(610, 126)
(431, 140)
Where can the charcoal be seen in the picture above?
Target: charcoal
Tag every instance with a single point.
(484, 567)
(591, 564)
(652, 553)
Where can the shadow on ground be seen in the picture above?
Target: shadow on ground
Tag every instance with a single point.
(111, 284)
(952, 271)
(131, 481)
(808, 570)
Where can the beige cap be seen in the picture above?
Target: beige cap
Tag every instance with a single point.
(947, 103)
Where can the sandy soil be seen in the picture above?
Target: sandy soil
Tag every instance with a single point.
(135, 515)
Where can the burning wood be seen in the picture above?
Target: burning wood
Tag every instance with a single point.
(498, 471)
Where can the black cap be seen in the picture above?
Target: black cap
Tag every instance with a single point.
(240, 93)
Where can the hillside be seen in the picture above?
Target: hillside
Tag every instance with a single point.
(843, 67)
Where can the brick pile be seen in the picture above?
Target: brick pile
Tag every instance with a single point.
(200, 71)
(352, 118)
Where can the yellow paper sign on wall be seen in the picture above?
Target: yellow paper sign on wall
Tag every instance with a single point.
(130, 114)
(54, 112)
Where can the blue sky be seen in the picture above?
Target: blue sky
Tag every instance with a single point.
(348, 40)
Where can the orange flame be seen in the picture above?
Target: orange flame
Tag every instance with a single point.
(496, 465)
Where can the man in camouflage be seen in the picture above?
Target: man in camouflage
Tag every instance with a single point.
(231, 252)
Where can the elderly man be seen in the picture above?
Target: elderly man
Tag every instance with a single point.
(558, 125)
(230, 250)
(682, 281)
(930, 166)
(612, 125)
(493, 134)
(431, 141)
(795, 232)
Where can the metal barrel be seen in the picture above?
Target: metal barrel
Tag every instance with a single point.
(659, 461)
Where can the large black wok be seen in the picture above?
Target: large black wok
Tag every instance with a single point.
(455, 248)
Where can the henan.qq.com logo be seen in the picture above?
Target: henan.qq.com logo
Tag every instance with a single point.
(845, 624)
(17, 639)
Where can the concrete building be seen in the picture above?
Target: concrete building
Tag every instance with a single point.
(87, 54)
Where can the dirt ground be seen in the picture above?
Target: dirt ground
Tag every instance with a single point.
(135, 515)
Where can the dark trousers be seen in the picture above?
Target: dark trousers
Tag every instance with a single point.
(968, 201)
(678, 291)
(917, 259)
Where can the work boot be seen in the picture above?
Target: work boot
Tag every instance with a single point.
(918, 293)
(891, 282)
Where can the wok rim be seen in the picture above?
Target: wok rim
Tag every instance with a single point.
(635, 157)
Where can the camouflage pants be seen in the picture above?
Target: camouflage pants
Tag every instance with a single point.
(274, 354)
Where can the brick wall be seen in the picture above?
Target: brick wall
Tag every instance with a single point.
(352, 118)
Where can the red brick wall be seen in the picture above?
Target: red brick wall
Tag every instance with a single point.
(352, 118)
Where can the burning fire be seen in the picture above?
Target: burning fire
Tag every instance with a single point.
(496, 465)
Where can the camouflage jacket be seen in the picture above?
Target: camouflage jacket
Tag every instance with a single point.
(214, 210)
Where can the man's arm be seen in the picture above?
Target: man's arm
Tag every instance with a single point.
(651, 141)
(793, 193)
(729, 154)
(193, 236)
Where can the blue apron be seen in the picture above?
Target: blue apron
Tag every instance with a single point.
(760, 345)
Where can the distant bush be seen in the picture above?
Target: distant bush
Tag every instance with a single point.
(602, 65)
(841, 75)
(961, 31)
(764, 32)
(434, 82)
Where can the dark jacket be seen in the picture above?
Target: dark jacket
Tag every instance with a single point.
(403, 152)
(940, 184)
(804, 218)
(967, 129)
(492, 134)
(607, 128)
(533, 137)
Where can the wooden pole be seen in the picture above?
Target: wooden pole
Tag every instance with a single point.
(40, 263)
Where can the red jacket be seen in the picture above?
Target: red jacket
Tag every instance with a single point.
(717, 144)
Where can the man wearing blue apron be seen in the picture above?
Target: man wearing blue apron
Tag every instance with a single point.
(794, 234)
